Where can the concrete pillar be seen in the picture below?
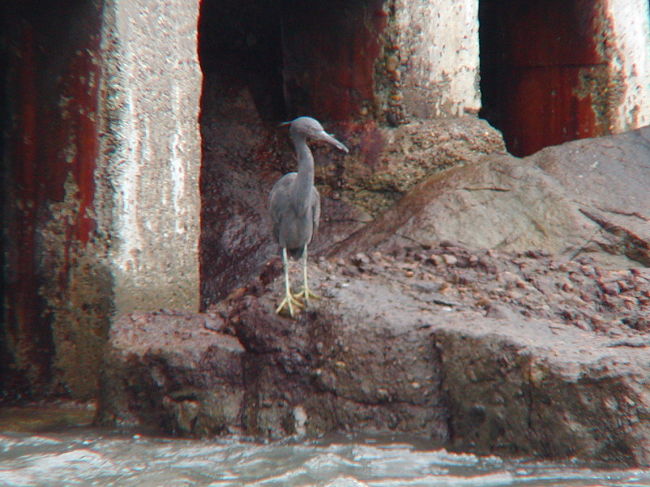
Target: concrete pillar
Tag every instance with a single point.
(148, 201)
(438, 48)
(100, 192)
(629, 63)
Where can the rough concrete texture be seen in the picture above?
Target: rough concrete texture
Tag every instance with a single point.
(500, 352)
(587, 196)
(438, 56)
(80, 307)
(630, 38)
(148, 198)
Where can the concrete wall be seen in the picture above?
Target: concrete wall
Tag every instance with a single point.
(439, 56)
(630, 61)
(100, 180)
(57, 300)
(148, 179)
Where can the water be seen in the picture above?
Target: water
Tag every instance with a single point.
(86, 457)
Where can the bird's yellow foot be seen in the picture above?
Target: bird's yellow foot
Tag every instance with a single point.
(288, 303)
(306, 294)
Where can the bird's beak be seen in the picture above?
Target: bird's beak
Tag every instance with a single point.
(330, 139)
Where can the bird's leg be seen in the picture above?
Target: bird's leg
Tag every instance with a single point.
(289, 300)
(306, 293)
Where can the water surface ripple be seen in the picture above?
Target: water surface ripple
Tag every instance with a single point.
(97, 459)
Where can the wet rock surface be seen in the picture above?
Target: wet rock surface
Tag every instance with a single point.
(489, 346)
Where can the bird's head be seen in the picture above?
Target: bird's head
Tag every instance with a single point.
(311, 128)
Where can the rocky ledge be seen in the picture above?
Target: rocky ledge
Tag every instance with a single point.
(482, 351)
(510, 351)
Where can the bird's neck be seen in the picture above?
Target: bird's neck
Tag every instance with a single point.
(304, 182)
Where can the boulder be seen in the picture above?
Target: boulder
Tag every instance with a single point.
(546, 389)
(587, 196)
(336, 369)
(387, 162)
(500, 307)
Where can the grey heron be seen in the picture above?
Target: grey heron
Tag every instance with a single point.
(295, 206)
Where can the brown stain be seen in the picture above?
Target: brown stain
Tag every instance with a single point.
(543, 117)
(29, 337)
(53, 77)
(330, 51)
(541, 53)
(84, 91)
(372, 144)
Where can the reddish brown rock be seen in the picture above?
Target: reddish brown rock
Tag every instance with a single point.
(170, 370)
(449, 354)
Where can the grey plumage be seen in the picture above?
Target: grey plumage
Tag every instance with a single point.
(294, 222)
(295, 202)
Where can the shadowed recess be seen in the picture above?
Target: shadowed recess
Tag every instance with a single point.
(266, 62)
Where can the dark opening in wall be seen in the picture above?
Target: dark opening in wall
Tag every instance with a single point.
(544, 78)
(267, 61)
(240, 47)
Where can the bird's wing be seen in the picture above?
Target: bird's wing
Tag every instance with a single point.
(279, 201)
(315, 209)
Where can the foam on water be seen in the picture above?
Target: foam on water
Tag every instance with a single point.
(92, 458)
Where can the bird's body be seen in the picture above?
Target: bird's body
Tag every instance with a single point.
(294, 222)
(295, 203)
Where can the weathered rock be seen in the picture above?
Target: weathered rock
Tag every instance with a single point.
(405, 346)
(608, 179)
(169, 370)
(587, 196)
(316, 375)
(530, 380)
(338, 369)
(244, 156)
(535, 387)
(536, 352)
(387, 162)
